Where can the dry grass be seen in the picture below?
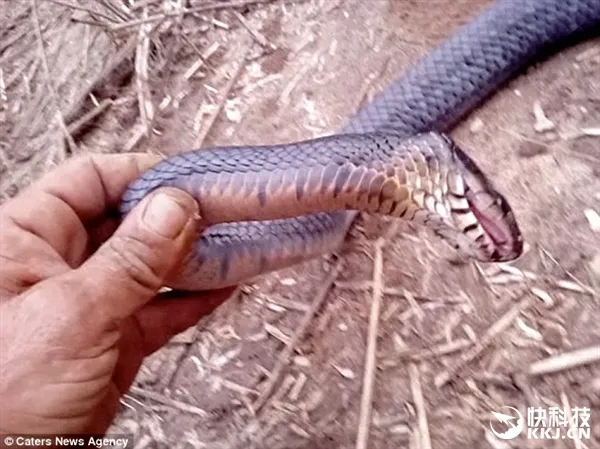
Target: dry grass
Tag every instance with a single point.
(278, 366)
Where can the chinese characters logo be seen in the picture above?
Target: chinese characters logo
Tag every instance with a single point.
(550, 423)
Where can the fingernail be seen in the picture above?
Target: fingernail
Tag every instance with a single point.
(166, 215)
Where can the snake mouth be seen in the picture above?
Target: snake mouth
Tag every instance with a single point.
(495, 230)
(484, 226)
(481, 214)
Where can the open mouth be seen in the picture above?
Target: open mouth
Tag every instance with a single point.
(481, 213)
(495, 231)
(498, 223)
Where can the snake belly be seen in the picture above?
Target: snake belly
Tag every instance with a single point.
(239, 188)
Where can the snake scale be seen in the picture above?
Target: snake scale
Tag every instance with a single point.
(269, 207)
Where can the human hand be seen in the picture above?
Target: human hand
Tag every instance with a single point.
(79, 308)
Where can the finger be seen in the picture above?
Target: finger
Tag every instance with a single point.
(164, 318)
(105, 413)
(81, 190)
(92, 183)
(48, 225)
(25, 260)
(100, 232)
(132, 265)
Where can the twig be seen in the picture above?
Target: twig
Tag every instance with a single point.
(522, 382)
(81, 8)
(484, 278)
(294, 393)
(421, 409)
(365, 286)
(284, 388)
(202, 59)
(567, 272)
(24, 40)
(258, 37)
(61, 120)
(8, 41)
(122, 54)
(171, 370)
(433, 352)
(222, 99)
(141, 70)
(277, 333)
(287, 352)
(237, 387)
(569, 415)
(565, 361)
(285, 96)
(3, 95)
(366, 402)
(289, 304)
(179, 405)
(122, 13)
(76, 126)
(27, 62)
(139, 131)
(204, 8)
(498, 327)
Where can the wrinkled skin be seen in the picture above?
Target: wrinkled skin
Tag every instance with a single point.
(79, 308)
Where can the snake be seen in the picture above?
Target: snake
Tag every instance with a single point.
(268, 207)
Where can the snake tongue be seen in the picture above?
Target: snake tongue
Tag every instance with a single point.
(493, 227)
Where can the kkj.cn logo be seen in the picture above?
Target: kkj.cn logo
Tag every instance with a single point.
(550, 423)
(512, 421)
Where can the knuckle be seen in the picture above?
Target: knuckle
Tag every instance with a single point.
(136, 261)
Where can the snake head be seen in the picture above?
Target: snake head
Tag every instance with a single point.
(486, 224)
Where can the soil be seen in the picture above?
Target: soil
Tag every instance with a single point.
(454, 340)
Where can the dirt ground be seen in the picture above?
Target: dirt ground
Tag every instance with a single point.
(395, 342)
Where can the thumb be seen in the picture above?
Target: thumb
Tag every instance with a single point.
(133, 264)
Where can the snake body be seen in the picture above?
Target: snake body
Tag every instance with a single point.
(270, 207)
